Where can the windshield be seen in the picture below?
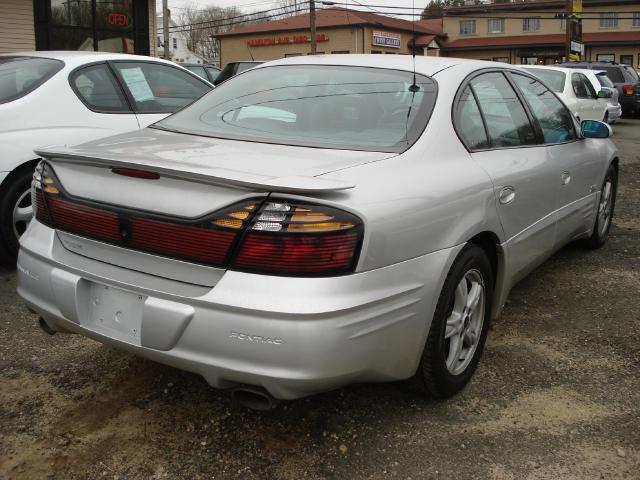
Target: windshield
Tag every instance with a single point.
(343, 107)
(552, 78)
(22, 75)
(604, 80)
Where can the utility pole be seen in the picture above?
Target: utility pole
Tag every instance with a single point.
(165, 29)
(567, 24)
(312, 24)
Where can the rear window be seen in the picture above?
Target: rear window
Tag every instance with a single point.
(552, 78)
(604, 80)
(22, 75)
(342, 107)
(614, 74)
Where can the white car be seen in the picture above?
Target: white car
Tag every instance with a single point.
(574, 88)
(70, 98)
(601, 81)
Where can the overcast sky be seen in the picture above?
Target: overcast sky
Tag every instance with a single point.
(253, 5)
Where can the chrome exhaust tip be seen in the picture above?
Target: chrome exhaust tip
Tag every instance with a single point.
(253, 398)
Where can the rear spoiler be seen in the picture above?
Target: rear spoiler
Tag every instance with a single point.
(292, 184)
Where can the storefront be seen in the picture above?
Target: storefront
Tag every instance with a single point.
(92, 25)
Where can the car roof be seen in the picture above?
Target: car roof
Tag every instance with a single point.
(74, 58)
(424, 65)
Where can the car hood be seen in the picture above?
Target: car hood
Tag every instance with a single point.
(239, 163)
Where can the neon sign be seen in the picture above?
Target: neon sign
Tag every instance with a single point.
(118, 19)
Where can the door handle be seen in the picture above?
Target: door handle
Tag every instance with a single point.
(507, 195)
(566, 178)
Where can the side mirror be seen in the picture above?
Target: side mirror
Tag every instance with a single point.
(605, 94)
(595, 129)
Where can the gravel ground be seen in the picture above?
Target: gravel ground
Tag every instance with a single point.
(556, 395)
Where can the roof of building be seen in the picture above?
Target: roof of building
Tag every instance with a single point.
(527, 5)
(551, 39)
(332, 17)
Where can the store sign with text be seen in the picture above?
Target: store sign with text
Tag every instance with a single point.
(263, 42)
(386, 39)
(118, 19)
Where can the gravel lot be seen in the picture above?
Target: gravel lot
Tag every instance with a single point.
(556, 395)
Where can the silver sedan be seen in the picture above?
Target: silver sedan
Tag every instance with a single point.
(318, 221)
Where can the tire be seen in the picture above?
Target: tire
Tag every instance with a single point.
(606, 206)
(16, 192)
(436, 375)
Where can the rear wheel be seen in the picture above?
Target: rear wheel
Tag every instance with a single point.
(606, 205)
(15, 213)
(459, 327)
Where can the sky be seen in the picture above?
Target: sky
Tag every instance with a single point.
(253, 5)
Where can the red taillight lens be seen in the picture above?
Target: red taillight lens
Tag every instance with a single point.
(297, 254)
(93, 222)
(300, 239)
(628, 90)
(181, 241)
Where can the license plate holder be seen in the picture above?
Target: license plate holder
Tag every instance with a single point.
(115, 313)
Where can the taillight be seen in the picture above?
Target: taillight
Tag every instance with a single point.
(291, 238)
(256, 235)
(628, 90)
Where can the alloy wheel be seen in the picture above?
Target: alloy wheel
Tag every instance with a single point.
(464, 324)
(22, 213)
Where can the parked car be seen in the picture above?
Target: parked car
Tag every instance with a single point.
(575, 90)
(601, 81)
(73, 97)
(234, 68)
(624, 77)
(208, 72)
(366, 226)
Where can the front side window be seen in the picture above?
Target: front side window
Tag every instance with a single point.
(341, 107)
(531, 24)
(97, 88)
(505, 117)
(608, 20)
(496, 25)
(469, 122)
(553, 117)
(159, 88)
(552, 78)
(20, 76)
(467, 27)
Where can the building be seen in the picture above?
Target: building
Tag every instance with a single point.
(338, 30)
(527, 32)
(115, 26)
(178, 45)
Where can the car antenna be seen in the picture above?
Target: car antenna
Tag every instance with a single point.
(414, 87)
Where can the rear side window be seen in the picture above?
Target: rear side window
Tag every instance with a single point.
(632, 73)
(582, 86)
(553, 117)
(156, 88)
(614, 74)
(97, 88)
(506, 119)
(469, 121)
(20, 76)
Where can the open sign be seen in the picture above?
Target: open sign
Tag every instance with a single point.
(119, 19)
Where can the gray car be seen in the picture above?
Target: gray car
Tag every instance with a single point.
(318, 221)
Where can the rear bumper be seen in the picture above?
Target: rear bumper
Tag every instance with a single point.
(292, 336)
(614, 112)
